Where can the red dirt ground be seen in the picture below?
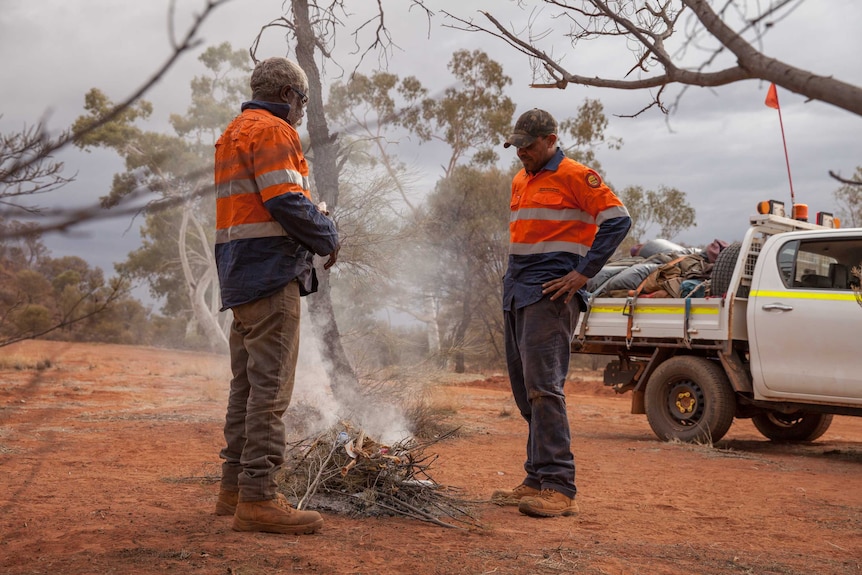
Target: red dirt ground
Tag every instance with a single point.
(109, 462)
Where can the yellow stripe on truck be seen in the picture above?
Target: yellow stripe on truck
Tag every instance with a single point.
(640, 308)
(800, 294)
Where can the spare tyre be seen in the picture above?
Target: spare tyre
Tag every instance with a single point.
(722, 272)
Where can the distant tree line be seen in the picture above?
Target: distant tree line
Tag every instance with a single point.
(64, 298)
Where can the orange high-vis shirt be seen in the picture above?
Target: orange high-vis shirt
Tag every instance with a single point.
(559, 210)
(250, 171)
(267, 227)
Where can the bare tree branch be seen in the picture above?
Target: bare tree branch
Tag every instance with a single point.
(67, 219)
(29, 158)
(843, 180)
(327, 19)
(37, 178)
(648, 27)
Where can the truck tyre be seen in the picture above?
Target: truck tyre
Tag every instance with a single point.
(689, 399)
(722, 271)
(800, 426)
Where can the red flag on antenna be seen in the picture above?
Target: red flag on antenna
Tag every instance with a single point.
(772, 97)
(772, 102)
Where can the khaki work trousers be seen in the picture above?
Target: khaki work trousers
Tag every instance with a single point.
(264, 346)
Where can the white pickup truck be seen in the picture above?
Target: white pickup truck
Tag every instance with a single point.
(778, 341)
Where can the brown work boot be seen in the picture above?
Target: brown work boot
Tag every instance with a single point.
(226, 504)
(548, 503)
(513, 497)
(274, 516)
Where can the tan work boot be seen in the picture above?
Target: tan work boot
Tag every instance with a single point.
(226, 504)
(274, 516)
(548, 503)
(513, 497)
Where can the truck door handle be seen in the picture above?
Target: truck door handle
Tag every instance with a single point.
(777, 307)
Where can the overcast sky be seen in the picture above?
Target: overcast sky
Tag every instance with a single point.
(722, 146)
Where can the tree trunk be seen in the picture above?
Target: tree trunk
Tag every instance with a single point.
(325, 174)
(432, 312)
(463, 325)
(197, 288)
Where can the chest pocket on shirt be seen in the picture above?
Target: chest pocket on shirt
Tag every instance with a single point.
(550, 198)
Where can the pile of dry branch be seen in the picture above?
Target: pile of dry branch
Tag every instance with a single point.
(347, 472)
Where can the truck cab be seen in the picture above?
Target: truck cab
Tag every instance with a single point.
(804, 320)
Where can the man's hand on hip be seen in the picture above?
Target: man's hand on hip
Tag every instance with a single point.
(567, 285)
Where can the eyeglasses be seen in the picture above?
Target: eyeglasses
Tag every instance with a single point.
(302, 97)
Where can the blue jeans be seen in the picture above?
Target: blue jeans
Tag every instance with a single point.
(264, 346)
(538, 339)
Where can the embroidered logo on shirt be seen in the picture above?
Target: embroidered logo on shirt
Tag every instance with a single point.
(593, 179)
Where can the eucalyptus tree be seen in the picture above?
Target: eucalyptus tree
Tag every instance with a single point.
(376, 114)
(449, 268)
(849, 198)
(62, 298)
(311, 31)
(666, 208)
(472, 115)
(28, 169)
(176, 256)
(466, 228)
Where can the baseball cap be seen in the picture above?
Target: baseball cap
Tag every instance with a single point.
(531, 125)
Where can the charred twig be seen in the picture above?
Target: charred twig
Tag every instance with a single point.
(312, 488)
(421, 514)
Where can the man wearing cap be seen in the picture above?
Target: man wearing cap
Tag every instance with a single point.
(564, 225)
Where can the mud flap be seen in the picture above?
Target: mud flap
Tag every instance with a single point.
(638, 404)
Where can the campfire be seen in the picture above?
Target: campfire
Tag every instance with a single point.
(345, 471)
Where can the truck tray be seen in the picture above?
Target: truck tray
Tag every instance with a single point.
(655, 318)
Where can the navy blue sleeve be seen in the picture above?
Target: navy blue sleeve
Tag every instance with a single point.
(301, 219)
(609, 236)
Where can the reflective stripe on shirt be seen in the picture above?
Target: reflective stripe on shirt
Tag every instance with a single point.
(248, 231)
(550, 214)
(548, 247)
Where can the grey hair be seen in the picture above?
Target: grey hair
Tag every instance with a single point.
(273, 74)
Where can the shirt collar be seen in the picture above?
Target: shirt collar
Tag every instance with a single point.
(553, 164)
(274, 108)
(555, 160)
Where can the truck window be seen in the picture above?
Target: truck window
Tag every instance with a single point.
(787, 261)
(821, 264)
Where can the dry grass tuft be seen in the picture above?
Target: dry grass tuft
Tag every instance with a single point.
(430, 420)
(20, 362)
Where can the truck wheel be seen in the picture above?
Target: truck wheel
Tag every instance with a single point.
(689, 398)
(722, 271)
(799, 426)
